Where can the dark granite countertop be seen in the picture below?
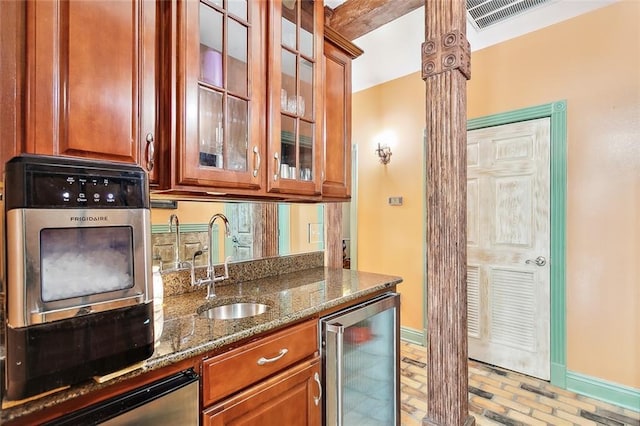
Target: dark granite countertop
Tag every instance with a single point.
(291, 297)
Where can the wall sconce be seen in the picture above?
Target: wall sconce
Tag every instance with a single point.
(384, 152)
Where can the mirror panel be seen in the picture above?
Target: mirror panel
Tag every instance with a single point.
(257, 230)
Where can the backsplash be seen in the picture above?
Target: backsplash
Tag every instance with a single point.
(191, 240)
(179, 282)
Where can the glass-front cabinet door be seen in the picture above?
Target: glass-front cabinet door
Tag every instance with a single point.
(221, 93)
(295, 96)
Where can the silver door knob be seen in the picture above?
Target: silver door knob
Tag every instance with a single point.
(538, 261)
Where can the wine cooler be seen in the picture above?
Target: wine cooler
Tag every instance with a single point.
(360, 363)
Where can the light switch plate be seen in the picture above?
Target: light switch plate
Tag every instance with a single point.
(395, 201)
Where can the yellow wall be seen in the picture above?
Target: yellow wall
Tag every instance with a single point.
(188, 212)
(390, 238)
(307, 228)
(592, 61)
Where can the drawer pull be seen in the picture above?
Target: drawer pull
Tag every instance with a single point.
(151, 152)
(256, 153)
(263, 360)
(277, 158)
(317, 399)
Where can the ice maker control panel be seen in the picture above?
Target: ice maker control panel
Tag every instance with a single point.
(49, 182)
(63, 190)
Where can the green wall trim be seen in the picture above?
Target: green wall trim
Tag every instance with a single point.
(284, 217)
(187, 227)
(614, 393)
(559, 371)
(557, 112)
(414, 336)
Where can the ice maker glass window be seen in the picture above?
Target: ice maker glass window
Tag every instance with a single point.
(79, 262)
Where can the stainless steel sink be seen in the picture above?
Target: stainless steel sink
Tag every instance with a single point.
(235, 310)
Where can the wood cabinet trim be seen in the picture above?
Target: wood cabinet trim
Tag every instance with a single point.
(341, 42)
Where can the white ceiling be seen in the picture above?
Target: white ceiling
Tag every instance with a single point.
(393, 50)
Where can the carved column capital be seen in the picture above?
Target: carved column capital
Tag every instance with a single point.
(451, 51)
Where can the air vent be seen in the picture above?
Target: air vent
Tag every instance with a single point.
(484, 13)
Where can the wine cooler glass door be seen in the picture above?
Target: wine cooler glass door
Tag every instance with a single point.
(361, 363)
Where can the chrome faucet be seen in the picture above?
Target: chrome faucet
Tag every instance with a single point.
(211, 278)
(176, 249)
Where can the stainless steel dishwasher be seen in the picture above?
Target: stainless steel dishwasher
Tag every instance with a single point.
(170, 401)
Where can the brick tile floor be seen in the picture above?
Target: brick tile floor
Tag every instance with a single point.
(502, 397)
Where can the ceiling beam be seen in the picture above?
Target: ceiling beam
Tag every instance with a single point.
(355, 18)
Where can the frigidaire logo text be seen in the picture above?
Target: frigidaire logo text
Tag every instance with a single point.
(89, 218)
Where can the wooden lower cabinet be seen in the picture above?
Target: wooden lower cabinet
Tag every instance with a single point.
(290, 398)
(274, 380)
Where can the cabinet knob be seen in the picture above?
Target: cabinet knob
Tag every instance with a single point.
(151, 151)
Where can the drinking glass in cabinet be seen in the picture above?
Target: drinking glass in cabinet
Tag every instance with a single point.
(288, 80)
(305, 173)
(284, 171)
(292, 105)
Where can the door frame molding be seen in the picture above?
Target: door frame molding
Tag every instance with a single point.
(557, 112)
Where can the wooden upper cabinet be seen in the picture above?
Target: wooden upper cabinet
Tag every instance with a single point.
(91, 79)
(338, 54)
(294, 157)
(12, 80)
(220, 97)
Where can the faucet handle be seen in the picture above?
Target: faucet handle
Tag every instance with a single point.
(196, 254)
(226, 267)
(159, 259)
(226, 271)
(193, 269)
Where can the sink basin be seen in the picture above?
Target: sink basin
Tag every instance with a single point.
(235, 311)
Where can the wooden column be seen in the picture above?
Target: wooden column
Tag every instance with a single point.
(265, 230)
(445, 69)
(333, 225)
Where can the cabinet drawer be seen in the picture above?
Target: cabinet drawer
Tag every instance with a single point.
(229, 372)
(291, 398)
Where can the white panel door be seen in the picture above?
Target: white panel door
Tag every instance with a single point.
(240, 245)
(508, 246)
